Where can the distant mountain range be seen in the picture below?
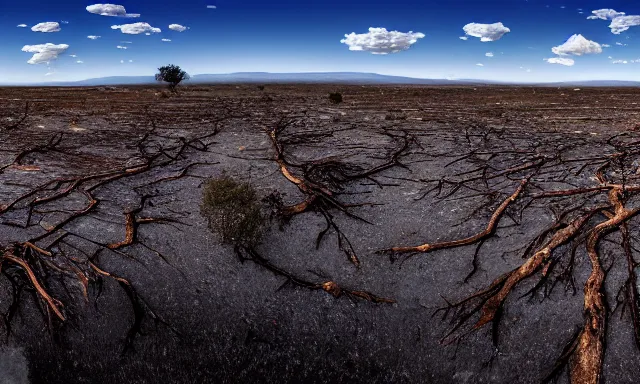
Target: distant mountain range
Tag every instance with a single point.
(318, 78)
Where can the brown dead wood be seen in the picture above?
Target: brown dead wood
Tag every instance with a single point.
(488, 231)
(539, 258)
(331, 287)
(51, 302)
(319, 196)
(586, 363)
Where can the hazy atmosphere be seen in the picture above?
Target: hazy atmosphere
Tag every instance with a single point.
(507, 40)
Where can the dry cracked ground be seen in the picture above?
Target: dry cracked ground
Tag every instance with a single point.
(415, 235)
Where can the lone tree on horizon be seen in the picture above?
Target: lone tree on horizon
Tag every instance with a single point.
(173, 75)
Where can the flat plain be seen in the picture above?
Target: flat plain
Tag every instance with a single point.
(415, 234)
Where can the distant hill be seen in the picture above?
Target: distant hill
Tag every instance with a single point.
(594, 83)
(314, 77)
(264, 77)
(322, 77)
(113, 80)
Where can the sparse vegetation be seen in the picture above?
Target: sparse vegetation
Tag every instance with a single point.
(537, 202)
(173, 75)
(335, 97)
(233, 211)
(395, 116)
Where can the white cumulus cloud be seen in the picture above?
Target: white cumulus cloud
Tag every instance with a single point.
(121, 47)
(93, 37)
(465, 38)
(178, 27)
(80, 62)
(44, 53)
(22, 25)
(489, 54)
(136, 28)
(605, 45)
(379, 41)
(619, 62)
(605, 14)
(486, 32)
(577, 45)
(47, 27)
(166, 40)
(622, 23)
(480, 65)
(110, 10)
(211, 7)
(73, 55)
(561, 61)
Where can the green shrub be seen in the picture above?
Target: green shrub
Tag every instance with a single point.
(233, 211)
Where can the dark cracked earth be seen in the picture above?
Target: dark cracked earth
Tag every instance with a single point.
(416, 235)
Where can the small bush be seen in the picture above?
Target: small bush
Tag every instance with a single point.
(335, 97)
(233, 211)
(261, 87)
(395, 116)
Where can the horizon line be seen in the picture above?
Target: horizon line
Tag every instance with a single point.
(343, 81)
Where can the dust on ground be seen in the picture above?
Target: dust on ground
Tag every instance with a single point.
(212, 318)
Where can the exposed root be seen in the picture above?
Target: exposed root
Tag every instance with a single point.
(584, 354)
(140, 309)
(54, 305)
(330, 287)
(487, 232)
(130, 232)
(631, 286)
(564, 358)
(540, 257)
(481, 161)
(49, 254)
(319, 177)
(586, 365)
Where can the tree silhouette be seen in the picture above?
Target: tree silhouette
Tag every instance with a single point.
(171, 74)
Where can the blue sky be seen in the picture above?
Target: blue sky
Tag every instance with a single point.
(305, 36)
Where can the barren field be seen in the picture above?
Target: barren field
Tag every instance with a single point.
(415, 235)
